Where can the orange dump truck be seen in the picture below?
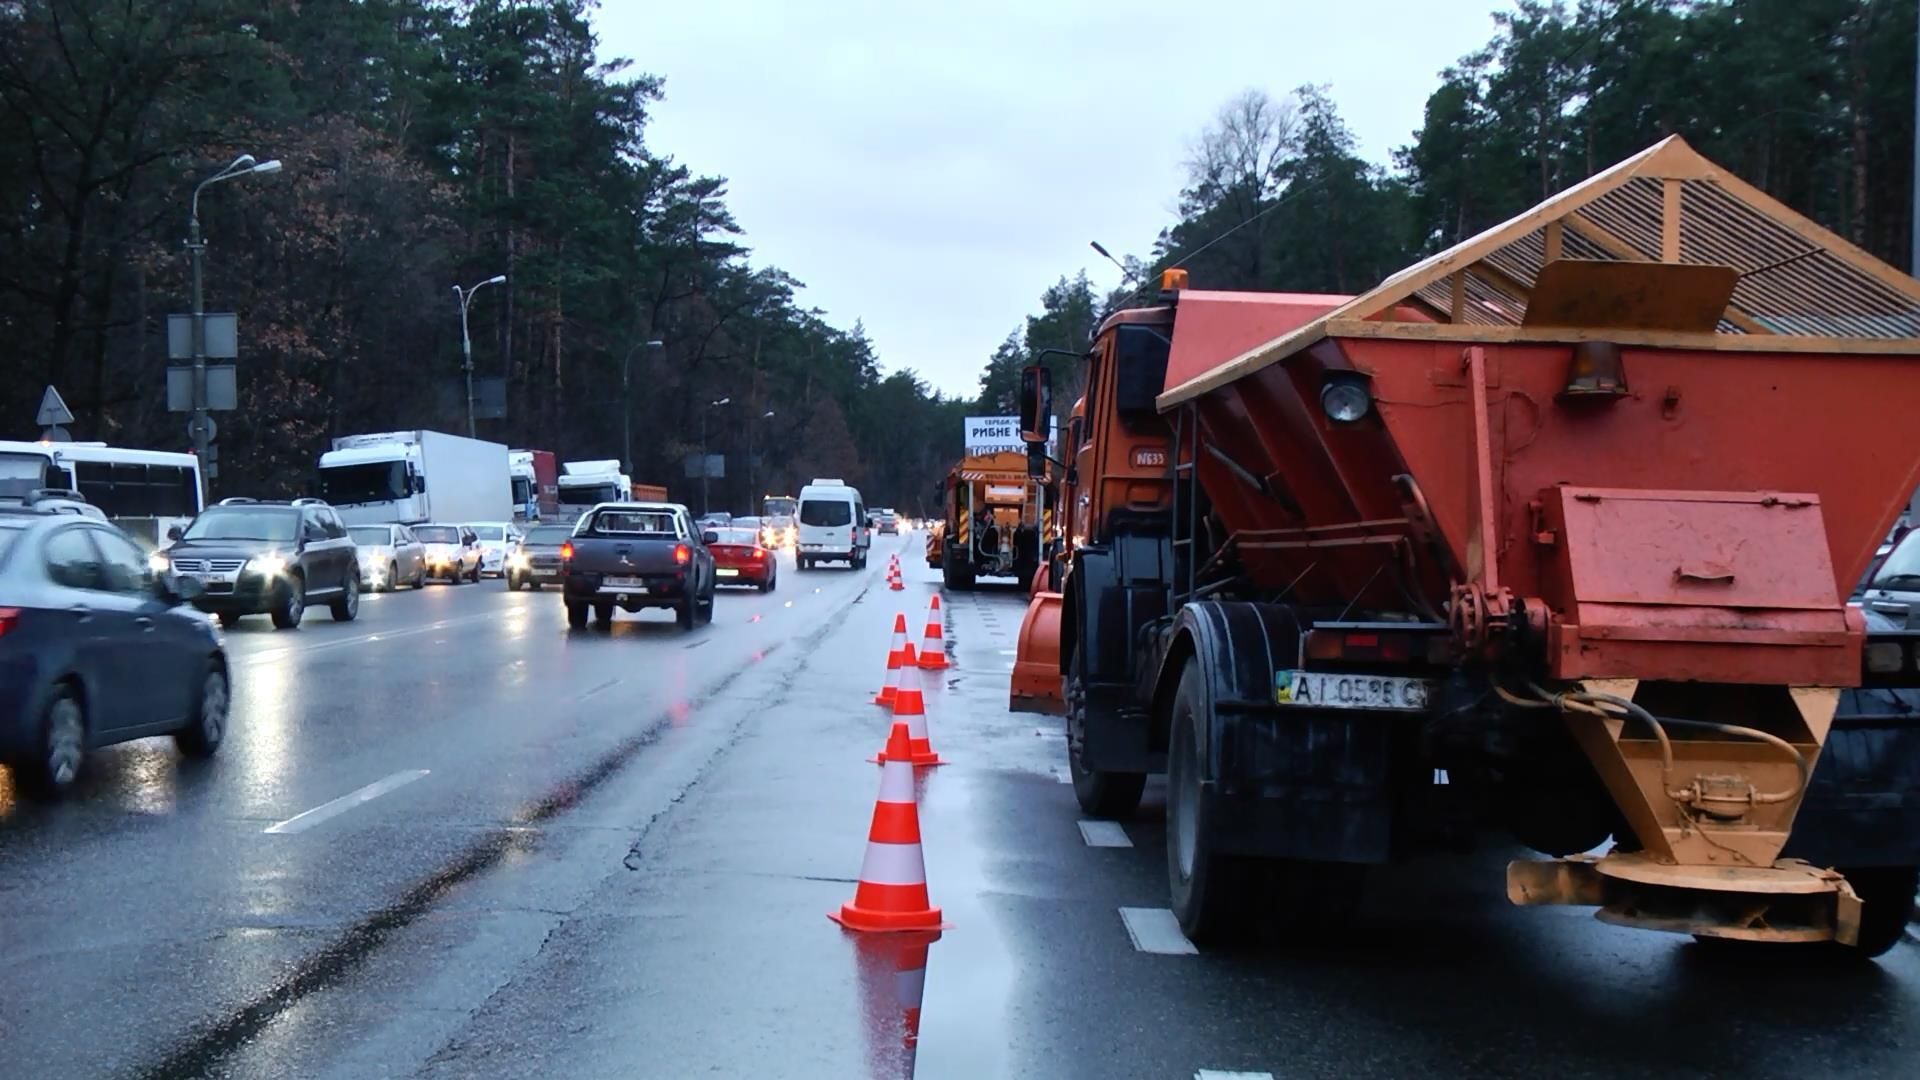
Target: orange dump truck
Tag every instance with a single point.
(1549, 534)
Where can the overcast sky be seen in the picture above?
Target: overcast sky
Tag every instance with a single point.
(932, 174)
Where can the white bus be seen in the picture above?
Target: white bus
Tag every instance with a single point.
(144, 492)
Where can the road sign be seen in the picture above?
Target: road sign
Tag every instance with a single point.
(223, 336)
(56, 433)
(193, 428)
(223, 390)
(53, 411)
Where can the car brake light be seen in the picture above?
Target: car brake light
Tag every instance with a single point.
(566, 551)
(9, 617)
(682, 554)
(759, 553)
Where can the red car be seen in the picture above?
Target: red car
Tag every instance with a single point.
(739, 559)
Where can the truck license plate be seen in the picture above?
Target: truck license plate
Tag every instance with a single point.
(633, 583)
(1329, 690)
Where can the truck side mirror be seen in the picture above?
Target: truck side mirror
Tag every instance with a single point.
(1036, 404)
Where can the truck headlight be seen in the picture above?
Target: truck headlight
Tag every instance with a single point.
(266, 565)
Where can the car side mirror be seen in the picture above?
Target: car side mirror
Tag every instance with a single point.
(709, 537)
(174, 532)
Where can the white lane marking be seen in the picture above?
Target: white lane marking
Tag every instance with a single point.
(1009, 652)
(1226, 1074)
(326, 810)
(1104, 834)
(601, 689)
(1155, 930)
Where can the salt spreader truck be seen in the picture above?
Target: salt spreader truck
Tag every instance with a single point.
(1552, 532)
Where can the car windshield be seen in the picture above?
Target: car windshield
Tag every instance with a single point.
(375, 481)
(371, 535)
(587, 494)
(737, 536)
(822, 512)
(634, 523)
(1902, 568)
(437, 534)
(245, 523)
(548, 534)
(22, 473)
(489, 532)
(746, 523)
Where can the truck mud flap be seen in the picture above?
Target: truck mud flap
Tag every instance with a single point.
(1303, 785)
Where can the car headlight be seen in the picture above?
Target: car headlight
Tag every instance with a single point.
(266, 565)
(518, 560)
(159, 563)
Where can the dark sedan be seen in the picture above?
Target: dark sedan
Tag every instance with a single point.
(535, 561)
(96, 649)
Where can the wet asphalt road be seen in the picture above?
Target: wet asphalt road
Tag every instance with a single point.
(610, 855)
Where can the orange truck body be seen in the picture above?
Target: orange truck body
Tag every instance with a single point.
(1570, 512)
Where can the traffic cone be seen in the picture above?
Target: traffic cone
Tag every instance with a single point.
(933, 650)
(910, 707)
(892, 894)
(894, 654)
(893, 578)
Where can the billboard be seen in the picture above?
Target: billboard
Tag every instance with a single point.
(994, 434)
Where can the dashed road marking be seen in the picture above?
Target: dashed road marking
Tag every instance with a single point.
(327, 810)
(1227, 1074)
(602, 688)
(1155, 930)
(1104, 834)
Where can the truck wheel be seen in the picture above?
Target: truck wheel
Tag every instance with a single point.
(291, 604)
(685, 612)
(603, 614)
(576, 616)
(1101, 794)
(1887, 898)
(348, 605)
(1209, 890)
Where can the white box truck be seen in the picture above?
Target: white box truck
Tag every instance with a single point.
(412, 477)
(583, 484)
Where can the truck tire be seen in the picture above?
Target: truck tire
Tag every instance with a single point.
(576, 616)
(1100, 794)
(1210, 891)
(1887, 899)
(686, 612)
(603, 614)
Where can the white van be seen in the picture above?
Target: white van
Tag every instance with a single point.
(832, 522)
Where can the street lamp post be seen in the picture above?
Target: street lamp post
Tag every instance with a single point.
(244, 165)
(466, 342)
(706, 507)
(768, 415)
(626, 398)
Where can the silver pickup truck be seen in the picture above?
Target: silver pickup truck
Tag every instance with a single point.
(633, 556)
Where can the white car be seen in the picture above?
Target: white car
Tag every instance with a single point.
(452, 553)
(497, 541)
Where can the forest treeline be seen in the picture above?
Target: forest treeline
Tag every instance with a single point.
(429, 143)
(1811, 100)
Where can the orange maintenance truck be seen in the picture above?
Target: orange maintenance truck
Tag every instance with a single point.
(1549, 534)
(998, 520)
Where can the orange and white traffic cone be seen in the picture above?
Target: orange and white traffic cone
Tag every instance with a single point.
(893, 578)
(933, 648)
(892, 894)
(910, 707)
(895, 653)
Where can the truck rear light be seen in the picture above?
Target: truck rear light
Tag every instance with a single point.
(682, 554)
(1360, 645)
(9, 618)
(566, 551)
(1883, 657)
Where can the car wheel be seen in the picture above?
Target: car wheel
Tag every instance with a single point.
(476, 573)
(576, 616)
(393, 578)
(61, 751)
(513, 583)
(208, 724)
(292, 605)
(420, 578)
(768, 585)
(454, 576)
(347, 607)
(228, 619)
(687, 613)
